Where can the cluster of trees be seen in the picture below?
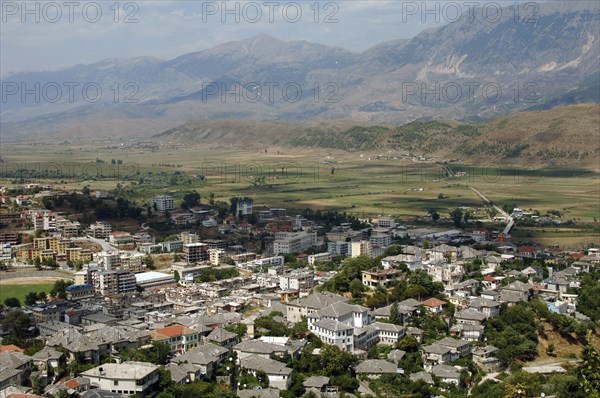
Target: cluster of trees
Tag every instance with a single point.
(18, 327)
(217, 274)
(190, 199)
(589, 294)
(33, 297)
(274, 327)
(332, 217)
(195, 389)
(349, 276)
(120, 209)
(12, 302)
(331, 362)
(58, 290)
(416, 284)
(159, 354)
(514, 332)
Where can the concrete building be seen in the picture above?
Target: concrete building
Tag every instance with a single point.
(216, 256)
(127, 378)
(297, 280)
(154, 280)
(377, 277)
(242, 206)
(100, 230)
(362, 248)
(319, 257)
(293, 242)
(180, 338)
(114, 282)
(381, 240)
(195, 252)
(163, 202)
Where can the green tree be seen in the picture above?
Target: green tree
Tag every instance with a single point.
(31, 298)
(456, 215)
(395, 316)
(356, 288)
(589, 369)
(37, 385)
(59, 288)
(17, 325)
(190, 199)
(12, 302)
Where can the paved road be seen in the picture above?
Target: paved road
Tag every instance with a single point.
(511, 221)
(105, 245)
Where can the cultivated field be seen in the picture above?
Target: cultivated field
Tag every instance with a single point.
(365, 184)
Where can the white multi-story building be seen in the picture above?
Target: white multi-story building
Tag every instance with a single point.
(109, 260)
(319, 257)
(127, 378)
(243, 206)
(297, 281)
(385, 223)
(163, 202)
(100, 230)
(114, 282)
(333, 332)
(381, 240)
(261, 263)
(293, 242)
(339, 248)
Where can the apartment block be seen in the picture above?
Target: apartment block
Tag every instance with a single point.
(163, 202)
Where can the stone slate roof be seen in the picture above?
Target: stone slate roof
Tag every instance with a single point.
(445, 371)
(426, 377)
(376, 366)
(13, 359)
(202, 355)
(333, 325)
(396, 355)
(258, 347)
(269, 366)
(316, 381)
(317, 300)
(470, 315)
(220, 335)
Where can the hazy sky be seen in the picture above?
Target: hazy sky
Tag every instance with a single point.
(49, 35)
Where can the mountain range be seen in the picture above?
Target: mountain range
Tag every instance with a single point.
(470, 70)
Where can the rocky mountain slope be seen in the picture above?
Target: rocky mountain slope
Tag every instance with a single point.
(469, 70)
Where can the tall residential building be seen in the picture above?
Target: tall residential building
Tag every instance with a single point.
(113, 282)
(242, 206)
(163, 202)
(195, 252)
(338, 248)
(100, 230)
(188, 237)
(216, 256)
(362, 248)
(297, 280)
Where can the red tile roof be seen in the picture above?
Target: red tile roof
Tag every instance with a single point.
(174, 330)
(433, 302)
(10, 347)
(73, 384)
